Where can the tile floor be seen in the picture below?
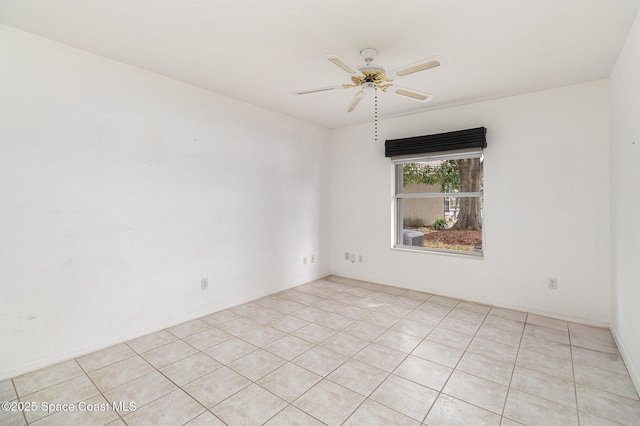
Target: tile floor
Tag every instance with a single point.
(339, 351)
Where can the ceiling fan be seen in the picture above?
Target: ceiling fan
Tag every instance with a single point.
(370, 77)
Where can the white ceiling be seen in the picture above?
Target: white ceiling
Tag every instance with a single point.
(261, 51)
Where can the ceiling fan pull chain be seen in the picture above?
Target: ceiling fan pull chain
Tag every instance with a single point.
(375, 116)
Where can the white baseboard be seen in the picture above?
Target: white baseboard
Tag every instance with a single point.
(626, 357)
(46, 361)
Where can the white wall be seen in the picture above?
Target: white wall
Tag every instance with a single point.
(546, 204)
(625, 201)
(120, 189)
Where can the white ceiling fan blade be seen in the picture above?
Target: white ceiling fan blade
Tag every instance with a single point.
(320, 89)
(338, 61)
(356, 100)
(416, 95)
(423, 65)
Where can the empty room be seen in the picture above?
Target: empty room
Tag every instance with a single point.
(305, 212)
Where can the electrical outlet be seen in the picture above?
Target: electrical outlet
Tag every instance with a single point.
(360, 258)
(313, 258)
(352, 258)
(304, 260)
(346, 255)
(553, 283)
(204, 284)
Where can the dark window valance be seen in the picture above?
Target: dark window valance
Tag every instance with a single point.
(450, 141)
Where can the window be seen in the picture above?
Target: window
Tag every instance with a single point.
(438, 202)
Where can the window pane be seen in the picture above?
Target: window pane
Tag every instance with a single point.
(439, 219)
(426, 223)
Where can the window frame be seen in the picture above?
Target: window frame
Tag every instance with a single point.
(398, 194)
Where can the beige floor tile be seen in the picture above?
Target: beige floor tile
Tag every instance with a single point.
(445, 301)
(257, 364)
(413, 328)
(251, 406)
(466, 315)
(265, 316)
(205, 419)
(7, 393)
(69, 392)
(406, 302)
(417, 295)
(345, 298)
(364, 330)
(448, 411)
(329, 305)
(151, 341)
(207, 339)
(607, 405)
(335, 321)
(405, 396)
(357, 311)
(358, 377)
(449, 338)
(220, 317)
(549, 365)
(546, 347)
(540, 332)
(494, 350)
(508, 314)
(329, 402)
(547, 322)
(380, 357)
(476, 391)
(287, 306)
(141, 391)
(395, 310)
(460, 326)
(425, 372)
(172, 409)
(262, 336)
(371, 413)
(288, 347)
(239, 326)
(426, 318)
(504, 324)
(345, 344)
(381, 297)
(434, 308)
(381, 319)
(474, 307)
(288, 323)
(168, 354)
(534, 411)
(435, 352)
(46, 377)
(291, 416)
(597, 339)
(587, 419)
(12, 418)
(399, 341)
(188, 328)
(605, 361)
(487, 368)
(216, 386)
(230, 350)
(91, 412)
(191, 368)
(320, 360)
(314, 333)
(508, 422)
(501, 335)
(117, 374)
(310, 313)
(544, 386)
(105, 357)
(308, 299)
(619, 384)
(289, 381)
